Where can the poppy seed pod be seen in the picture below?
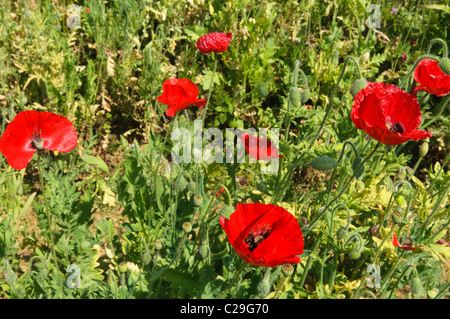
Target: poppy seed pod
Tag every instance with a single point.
(444, 65)
(287, 269)
(341, 233)
(158, 245)
(187, 227)
(198, 200)
(123, 267)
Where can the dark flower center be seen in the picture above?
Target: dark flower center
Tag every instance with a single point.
(397, 127)
(255, 238)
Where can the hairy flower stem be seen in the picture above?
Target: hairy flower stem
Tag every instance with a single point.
(49, 219)
(442, 42)
(211, 84)
(235, 279)
(310, 259)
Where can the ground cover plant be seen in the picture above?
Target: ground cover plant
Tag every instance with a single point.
(205, 149)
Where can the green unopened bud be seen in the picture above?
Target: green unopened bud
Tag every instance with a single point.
(123, 267)
(423, 149)
(263, 289)
(400, 200)
(341, 233)
(323, 163)
(356, 163)
(85, 245)
(444, 65)
(146, 258)
(287, 269)
(416, 286)
(397, 217)
(294, 96)
(187, 227)
(198, 200)
(358, 85)
(204, 250)
(354, 254)
(305, 95)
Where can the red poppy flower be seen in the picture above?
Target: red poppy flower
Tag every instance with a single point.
(34, 130)
(388, 114)
(87, 10)
(406, 247)
(221, 192)
(259, 147)
(213, 42)
(431, 78)
(179, 94)
(264, 234)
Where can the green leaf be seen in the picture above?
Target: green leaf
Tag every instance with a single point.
(96, 161)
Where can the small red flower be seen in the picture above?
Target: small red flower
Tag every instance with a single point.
(431, 78)
(87, 10)
(33, 130)
(213, 42)
(259, 147)
(264, 234)
(221, 192)
(179, 94)
(388, 114)
(406, 247)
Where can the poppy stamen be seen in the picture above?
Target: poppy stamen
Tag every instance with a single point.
(254, 238)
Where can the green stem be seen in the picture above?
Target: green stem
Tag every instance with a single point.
(235, 279)
(442, 42)
(49, 220)
(310, 259)
(211, 84)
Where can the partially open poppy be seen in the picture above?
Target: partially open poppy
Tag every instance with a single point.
(213, 42)
(35, 130)
(388, 114)
(179, 94)
(396, 243)
(264, 234)
(259, 147)
(431, 78)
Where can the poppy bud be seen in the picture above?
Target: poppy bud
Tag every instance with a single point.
(444, 65)
(294, 96)
(146, 258)
(356, 163)
(305, 96)
(341, 233)
(263, 289)
(323, 163)
(187, 227)
(354, 254)
(204, 250)
(85, 245)
(358, 85)
(287, 269)
(198, 200)
(416, 286)
(423, 149)
(397, 217)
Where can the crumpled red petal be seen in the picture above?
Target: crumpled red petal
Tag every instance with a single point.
(431, 78)
(213, 42)
(179, 94)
